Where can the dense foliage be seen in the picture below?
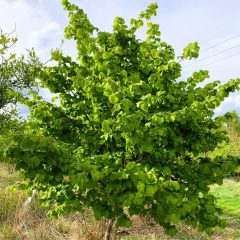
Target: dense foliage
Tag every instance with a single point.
(126, 136)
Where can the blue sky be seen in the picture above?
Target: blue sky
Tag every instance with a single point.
(40, 24)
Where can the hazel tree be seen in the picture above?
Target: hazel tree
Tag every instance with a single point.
(126, 136)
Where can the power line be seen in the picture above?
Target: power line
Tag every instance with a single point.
(219, 43)
(219, 60)
(213, 55)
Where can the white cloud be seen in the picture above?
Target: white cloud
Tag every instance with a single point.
(35, 27)
(233, 101)
(46, 33)
(45, 38)
(229, 104)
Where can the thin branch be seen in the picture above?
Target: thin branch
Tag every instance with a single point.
(10, 33)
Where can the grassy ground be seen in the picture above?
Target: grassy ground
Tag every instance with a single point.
(19, 224)
(228, 197)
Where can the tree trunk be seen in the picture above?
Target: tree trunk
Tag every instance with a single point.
(109, 230)
(28, 202)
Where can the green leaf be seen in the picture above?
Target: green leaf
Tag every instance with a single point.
(123, 221)
(130, 166)
(96, 175)
(174, 218)
(113, 99)
(151, 190)
(141, 187)
(191, 51)
(118, 50)
(176, 185)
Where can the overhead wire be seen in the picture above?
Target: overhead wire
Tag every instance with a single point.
(221, 42)
(218, 53)
(213, 55)
(219, 60)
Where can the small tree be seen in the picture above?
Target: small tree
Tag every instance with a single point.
(125, 137)
(233, 122)
(17, 77)
(16, 74)
(6, 111)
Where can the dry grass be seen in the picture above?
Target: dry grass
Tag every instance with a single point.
(20, 223)
(17, 222)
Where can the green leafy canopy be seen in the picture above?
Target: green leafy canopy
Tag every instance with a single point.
(127, 137)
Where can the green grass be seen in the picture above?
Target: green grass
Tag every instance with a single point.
(228, 197)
